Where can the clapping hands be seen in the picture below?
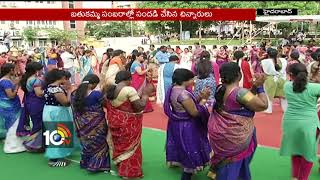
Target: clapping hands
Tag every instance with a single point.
(258, 79)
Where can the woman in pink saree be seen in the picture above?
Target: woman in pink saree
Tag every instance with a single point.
(222, 56)
(139, 72)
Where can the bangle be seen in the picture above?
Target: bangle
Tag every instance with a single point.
(260, 90)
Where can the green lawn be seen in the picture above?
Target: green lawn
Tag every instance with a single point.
(266, 165)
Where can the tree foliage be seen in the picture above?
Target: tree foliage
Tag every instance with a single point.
(61, 35)
(113, 29)
(304, 8)
(29, 34)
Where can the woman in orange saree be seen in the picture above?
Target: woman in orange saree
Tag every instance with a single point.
(124, 116)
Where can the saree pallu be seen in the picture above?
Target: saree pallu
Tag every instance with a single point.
(9, 115)
(125, 139)
(164, 80)
(187, 142)
(86, 68)
(56, 114)
(92, 129)
(139, 82)
(233, 140)
(111, 73)
(32, 110)
(160, 85)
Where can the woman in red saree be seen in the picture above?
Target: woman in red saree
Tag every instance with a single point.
(124, 116)
(139, 72)
(246, 70)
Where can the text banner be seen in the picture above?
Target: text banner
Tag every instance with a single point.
(129, 14)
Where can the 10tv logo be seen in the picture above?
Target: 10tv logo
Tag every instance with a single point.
(59, 136)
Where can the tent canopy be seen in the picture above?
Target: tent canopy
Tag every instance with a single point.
(277, 19)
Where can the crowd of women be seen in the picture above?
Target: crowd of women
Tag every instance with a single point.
(209, 96)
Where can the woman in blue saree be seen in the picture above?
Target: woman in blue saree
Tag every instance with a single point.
(33, 103)
(231, 130)
(187, 142)
(91, 125)
(85, 64)
(10, 109)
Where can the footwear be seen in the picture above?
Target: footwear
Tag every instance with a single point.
(59, 163)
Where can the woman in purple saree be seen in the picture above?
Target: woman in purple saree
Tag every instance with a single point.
(187, 142)
(33, 103)
(231, 130)
(91, 125)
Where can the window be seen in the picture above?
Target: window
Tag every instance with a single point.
(48, 2)
(3, 22)
(50, 22)
(37, 1)
(71, 4)
(72, 24)
(43, 22)
(42, 43)
(54, 22)
(54, 42)
(38, 22)
(41, 1)
(17, 43)
(31, 44)
(17, 22)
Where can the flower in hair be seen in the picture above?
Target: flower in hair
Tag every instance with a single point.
(85, 82)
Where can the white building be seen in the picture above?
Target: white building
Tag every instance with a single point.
(15, 28)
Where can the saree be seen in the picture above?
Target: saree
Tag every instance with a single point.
(125, 129)
(85, 64)
(222, 57)
(139, 82)
(246, 72)
(255, 62)
(54, 114)
(187, 143)
(92, 129)
(274, 83)
(164, 80)
(232, 138)
(10, 110)
(112, 70)
(32, 111)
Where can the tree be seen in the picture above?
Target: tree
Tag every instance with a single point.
(29, 34)
(61, 35)
(113, 29)
(305, 8)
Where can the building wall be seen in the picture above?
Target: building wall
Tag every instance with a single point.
(20, 25)
(124, 4)
(15, 28)
(79, 25)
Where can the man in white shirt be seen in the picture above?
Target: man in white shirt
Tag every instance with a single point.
(68, 63)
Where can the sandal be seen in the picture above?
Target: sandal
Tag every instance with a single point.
(59, 163)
